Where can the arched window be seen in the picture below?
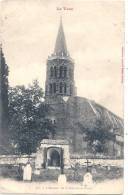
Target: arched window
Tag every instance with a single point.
(50, 88)
(55, 72)
(54, 87)
(51, 72)
(65, 88)
(61, 71)
(61, 88)
(65, 72)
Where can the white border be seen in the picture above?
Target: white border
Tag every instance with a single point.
(126, 102)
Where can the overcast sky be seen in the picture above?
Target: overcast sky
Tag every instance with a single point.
(94, 36)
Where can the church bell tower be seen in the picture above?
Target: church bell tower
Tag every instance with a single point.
(60, 70)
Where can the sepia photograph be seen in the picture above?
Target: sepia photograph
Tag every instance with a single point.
(61, 96)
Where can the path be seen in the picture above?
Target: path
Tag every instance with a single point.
(108, 187)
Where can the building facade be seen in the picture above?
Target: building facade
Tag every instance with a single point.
(69, 111)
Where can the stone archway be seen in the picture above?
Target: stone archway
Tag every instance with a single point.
(53, 157)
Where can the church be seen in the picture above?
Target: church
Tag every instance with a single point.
(70, 112)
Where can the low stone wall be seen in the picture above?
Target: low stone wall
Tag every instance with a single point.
(16, 159)
(23, 159)
(102, 162)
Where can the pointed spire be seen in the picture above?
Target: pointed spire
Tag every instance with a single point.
(0, 47)
(2, 59)
(60, 46)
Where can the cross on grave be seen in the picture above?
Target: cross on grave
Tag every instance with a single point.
(88, 162)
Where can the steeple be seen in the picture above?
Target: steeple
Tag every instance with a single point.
(1, 54)
(60, 46)
(60, 70)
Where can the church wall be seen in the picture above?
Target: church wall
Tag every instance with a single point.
(68, 114)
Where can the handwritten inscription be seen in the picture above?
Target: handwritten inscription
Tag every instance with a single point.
(64, 8)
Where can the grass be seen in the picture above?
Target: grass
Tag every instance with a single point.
(99, 173)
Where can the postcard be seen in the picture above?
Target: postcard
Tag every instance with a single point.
(61, 96)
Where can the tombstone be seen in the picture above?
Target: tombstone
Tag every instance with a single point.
(27, 172)
(87, 180)
(93, 171)
(108, 167)
(37, 172)
(62, 180)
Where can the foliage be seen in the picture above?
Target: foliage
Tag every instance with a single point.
(27, 123)
(75, 167)
(96, 133)
(3, 100)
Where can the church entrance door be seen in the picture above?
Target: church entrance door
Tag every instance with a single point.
(53, 157)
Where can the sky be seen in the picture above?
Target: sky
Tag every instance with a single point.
(94, 35)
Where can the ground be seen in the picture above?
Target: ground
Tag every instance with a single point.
(105, 180)
(108, 187)
(99, 173)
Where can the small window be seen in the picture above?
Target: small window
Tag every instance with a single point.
(61, 71)
(54, 87)
(51, 71)
(55, 71)
(65, 88)
(65, 72)
(61, 88)
(50, 88)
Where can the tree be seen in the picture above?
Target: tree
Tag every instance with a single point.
(3, 100)
(96, 133)
(75, 167)
(27, 122)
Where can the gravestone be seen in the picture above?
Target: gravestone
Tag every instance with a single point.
(108, 168)
(27, 172)
(93, 171)
(87, 180)
(62, 180)
(37, 172)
